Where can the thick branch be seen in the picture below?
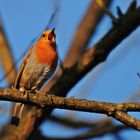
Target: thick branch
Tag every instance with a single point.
(95, 55)
(117, 111)
(98, 53)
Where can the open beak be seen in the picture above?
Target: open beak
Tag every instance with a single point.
(53, 31)
(52, 35)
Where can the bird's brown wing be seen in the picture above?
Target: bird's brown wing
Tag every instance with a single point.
(21, 68)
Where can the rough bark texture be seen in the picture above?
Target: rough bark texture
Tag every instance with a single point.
(117, 111)
(82, 64)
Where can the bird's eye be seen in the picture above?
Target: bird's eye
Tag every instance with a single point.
(43, 35)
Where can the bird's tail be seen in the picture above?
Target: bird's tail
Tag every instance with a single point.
(17, 113)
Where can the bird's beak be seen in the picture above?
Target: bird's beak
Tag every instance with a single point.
(52, 35)
(53, 31)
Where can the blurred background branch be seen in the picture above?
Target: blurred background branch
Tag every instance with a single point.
(6, 58)
(90, 134)
(84, 60)
(81, 39)
(85, 31)
(67, 122)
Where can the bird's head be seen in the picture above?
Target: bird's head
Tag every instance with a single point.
(49, 36)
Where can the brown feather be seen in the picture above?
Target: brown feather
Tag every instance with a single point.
(21, 69)
(38, 65)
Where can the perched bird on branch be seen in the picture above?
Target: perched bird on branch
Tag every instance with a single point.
(37, 67)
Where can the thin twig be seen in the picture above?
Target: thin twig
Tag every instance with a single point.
(91, 133)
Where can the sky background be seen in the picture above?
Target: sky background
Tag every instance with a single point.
(113, 81)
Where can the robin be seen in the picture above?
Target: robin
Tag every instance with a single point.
(37, 67)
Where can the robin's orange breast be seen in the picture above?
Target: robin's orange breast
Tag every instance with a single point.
(45, 53)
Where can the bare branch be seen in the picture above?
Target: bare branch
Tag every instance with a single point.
(91, 58)
(84, 32)
(95, 55)
(79, 124)
(98, 53)
(96, 133)
(90, 134)
(6, 58)
(117, 111)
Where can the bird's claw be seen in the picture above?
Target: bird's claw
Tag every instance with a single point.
(13, 88)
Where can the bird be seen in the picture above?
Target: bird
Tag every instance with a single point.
(37, 67)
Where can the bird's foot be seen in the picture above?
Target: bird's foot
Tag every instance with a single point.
(26, 93)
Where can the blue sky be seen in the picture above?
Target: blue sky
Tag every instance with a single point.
(114, 80)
